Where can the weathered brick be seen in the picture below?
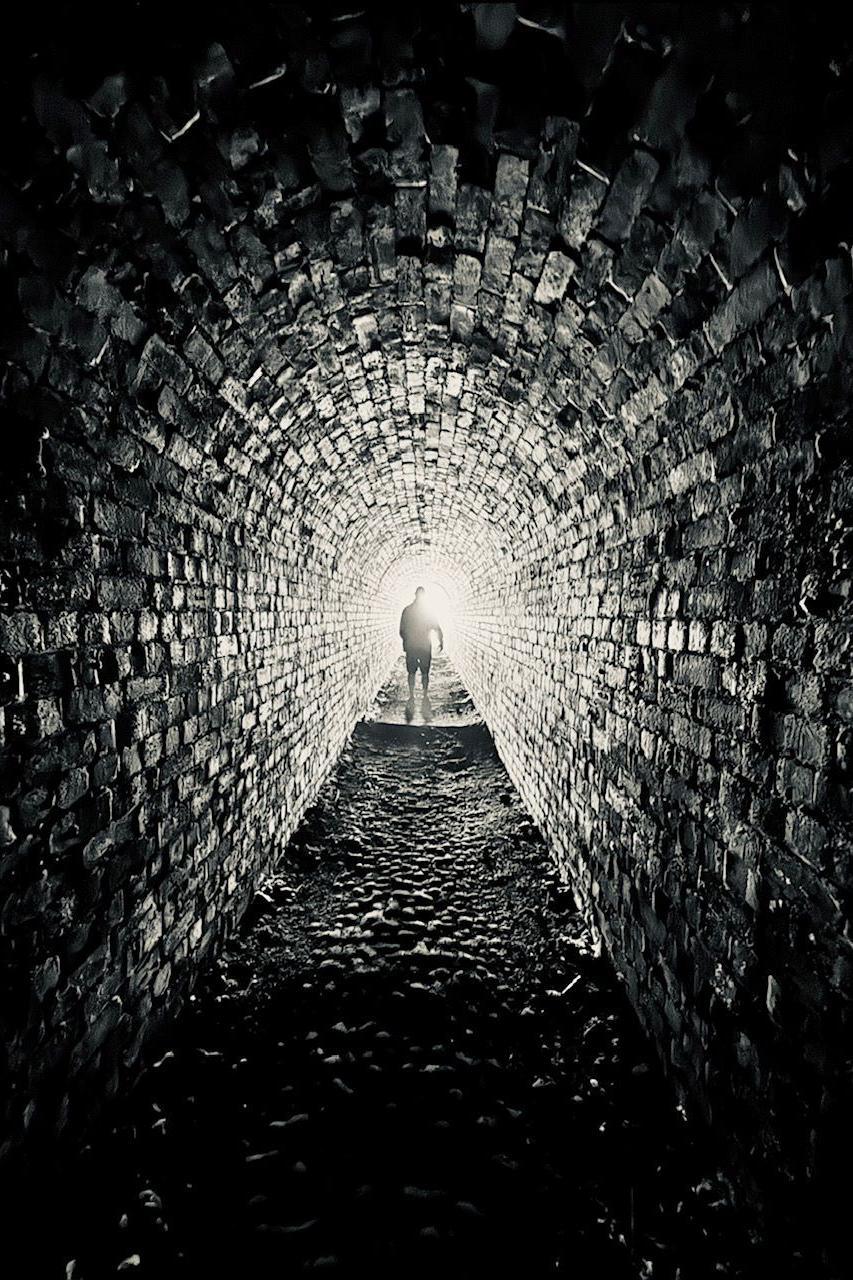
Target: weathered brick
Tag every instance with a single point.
(263, 405)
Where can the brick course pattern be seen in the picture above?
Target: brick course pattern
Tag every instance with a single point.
(278, 349)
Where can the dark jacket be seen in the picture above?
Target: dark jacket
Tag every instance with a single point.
(416, 626)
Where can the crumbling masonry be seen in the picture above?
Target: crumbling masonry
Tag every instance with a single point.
(301, 306)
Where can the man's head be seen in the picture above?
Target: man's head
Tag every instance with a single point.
(419, 595)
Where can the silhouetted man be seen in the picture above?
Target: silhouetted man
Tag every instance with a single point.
(416, 627)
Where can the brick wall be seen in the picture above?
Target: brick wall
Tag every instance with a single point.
(278, 351)
(184, 677)
(669, 686)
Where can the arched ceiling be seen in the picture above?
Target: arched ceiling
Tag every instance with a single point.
(412, 286)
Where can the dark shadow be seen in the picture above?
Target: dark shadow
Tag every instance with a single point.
(418, 625)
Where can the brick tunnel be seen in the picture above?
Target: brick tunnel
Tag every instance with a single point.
(548, 305)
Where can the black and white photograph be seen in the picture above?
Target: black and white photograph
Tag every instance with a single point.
(426, 622)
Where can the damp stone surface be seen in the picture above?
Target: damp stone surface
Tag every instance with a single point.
(412, 1059)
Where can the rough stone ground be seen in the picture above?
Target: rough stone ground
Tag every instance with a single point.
(410, 1063)
(448, 704)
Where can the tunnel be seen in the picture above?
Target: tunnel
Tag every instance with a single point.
(545, 306)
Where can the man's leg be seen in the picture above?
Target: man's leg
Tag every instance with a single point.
(411, 669)
(426, 659)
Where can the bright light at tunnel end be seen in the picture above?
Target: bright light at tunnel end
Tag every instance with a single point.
(438, 600)
(441, 591)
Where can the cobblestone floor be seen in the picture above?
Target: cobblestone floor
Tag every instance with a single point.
(410, 1063)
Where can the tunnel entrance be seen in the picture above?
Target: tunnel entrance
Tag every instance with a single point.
(549, 303)
(410, 1059)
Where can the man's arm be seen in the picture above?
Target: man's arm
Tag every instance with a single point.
(440, 635)
(402, 627)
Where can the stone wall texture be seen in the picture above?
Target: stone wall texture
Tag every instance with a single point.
(305, 307)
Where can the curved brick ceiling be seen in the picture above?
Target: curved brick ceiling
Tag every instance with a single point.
(429, 310)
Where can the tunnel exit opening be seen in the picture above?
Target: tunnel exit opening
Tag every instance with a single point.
(437, 601)
(445, 590)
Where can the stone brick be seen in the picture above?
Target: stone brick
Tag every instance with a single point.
(556, 273)
(587, 193)
(252, 416)
(627, 195)
(20, 633)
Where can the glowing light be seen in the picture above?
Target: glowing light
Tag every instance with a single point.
(442, 593)
(437, 600)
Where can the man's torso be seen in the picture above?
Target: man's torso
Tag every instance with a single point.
(415, 628)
